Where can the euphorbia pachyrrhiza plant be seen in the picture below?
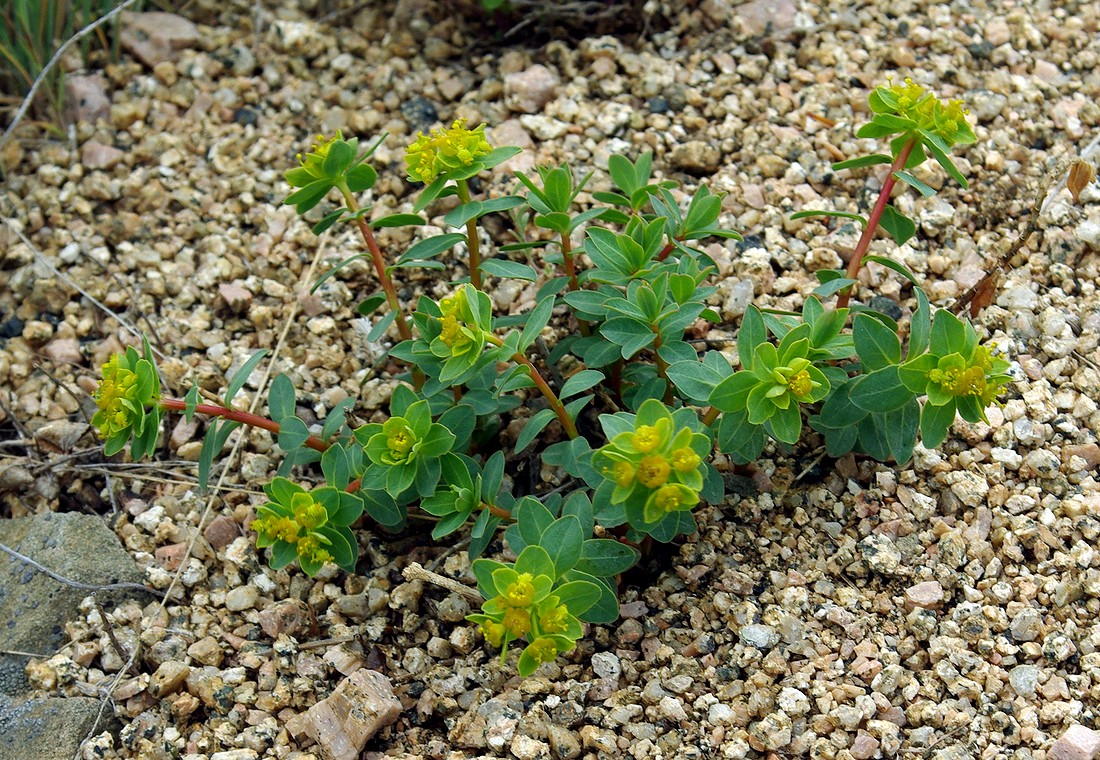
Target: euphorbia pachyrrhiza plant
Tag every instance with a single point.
(634, 470)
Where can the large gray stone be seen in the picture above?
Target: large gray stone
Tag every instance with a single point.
(33, 606)
(46, 729)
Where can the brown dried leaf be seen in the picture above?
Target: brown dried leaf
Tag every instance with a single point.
(1081, 174)
(983, 294)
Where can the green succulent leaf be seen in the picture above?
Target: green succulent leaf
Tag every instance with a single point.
(280, 398)
(880, 391)
(877, 345)
(563, 540)
(580, 382)
(919, 185)
(292, 433)
(935, 421)
(509, 269)
(240, 377)
(862, 161)
(900, 227)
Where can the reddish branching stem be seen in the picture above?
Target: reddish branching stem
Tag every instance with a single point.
(873, 221)
(235, 415)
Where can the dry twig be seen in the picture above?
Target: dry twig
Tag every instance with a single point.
(25, 106)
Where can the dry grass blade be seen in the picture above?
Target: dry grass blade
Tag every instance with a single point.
(307, 277)
(130, 328)
(44, 74)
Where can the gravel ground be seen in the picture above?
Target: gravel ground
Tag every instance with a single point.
(835, 609)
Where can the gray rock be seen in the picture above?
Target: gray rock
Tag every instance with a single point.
(606, 665)
(1024, 679)
(739, 297)
(986, 105)
(46, 729)
(1058, 647)
(1019, 298)
(881, 554)
(361, 706)
(759, 636)
(242, 598)
(563, 742)
(1027, 625)
(936, 216)
(33, 606)
(530, 90)
(156, 37)
(86, 98)
(696, 157)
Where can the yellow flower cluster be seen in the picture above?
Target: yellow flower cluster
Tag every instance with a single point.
(277, 528)
(800, 384)
(307, 512)
(521, 592)
(456, 333)
(910, 95)
(795, 379)
(119, 386)
(520, 611)
(445, 149)
(308, 516)
(960, 381)
(653, 464)
(946, 119)
(309, 549)
(320, 147)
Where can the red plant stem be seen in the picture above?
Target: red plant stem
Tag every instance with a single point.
(245, 418)
(503, 514)
(544, 388)
(567, 259)
(571, 273)
(710, 415)
(873, 220)
(471, 237)
(379, 266)
(662, 367)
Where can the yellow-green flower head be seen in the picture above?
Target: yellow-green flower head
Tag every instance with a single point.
(910, 95)
(309, 549)
(401, 442)
(646, 438)
(445, 149)
(653, 471)
(952, 116)
(960, 381)
(620, 472)
(493, 632)
(314, 160)
(542, 650)
(456, 330)
(521, 592)
(800, 384)
(400, 439)
(555, 619)
(517, 621)
(685, 459)
(669, 498)
(277, 528)
(116, 399)
(320, 146)
(307, 512)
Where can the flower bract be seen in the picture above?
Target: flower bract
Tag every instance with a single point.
(444, 150)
